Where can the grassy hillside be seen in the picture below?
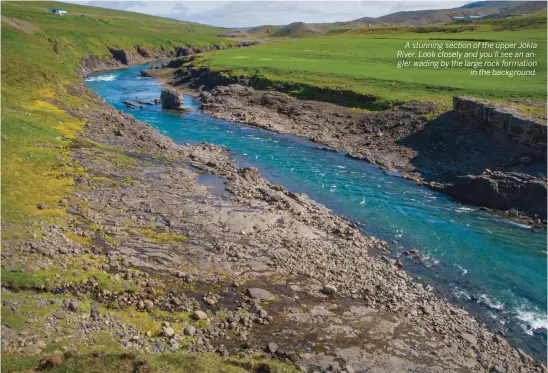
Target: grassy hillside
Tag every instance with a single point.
(40, 55)
(480, 8)
(365, 62)
(489, 9)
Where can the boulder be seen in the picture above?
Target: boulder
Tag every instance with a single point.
(184, 51)
(172, 99)
(199, 315)
(205, 96)
(260, 294)
(168, 331)
(190, 330)
(145, 73)
(329, 289)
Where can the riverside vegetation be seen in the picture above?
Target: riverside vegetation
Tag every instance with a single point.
(114, 258)
(364, 62)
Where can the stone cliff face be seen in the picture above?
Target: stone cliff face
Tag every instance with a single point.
(124, 57)
(502, 190)
(94, 63)
(503, 121)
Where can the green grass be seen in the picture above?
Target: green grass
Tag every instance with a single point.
(38, 63)
(365, 62)
(180, 362)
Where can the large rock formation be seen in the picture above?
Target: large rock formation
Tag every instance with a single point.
(172, 99)
(504, 121)
(124, 56)
(502, 190)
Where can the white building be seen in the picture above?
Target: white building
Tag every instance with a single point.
(58, 11)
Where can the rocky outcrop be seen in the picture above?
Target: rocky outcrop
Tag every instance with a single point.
(448, 154)
(146, 73)
(172, 99)
(124, 56)
(95, 63)
(504, 121)
(182, 51)
(502, 190)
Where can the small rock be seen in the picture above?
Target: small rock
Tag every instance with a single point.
(271, 347)
(60, 314)
(73, 306)
(241, 336)
(168, 332)
(427, 310)
(260, 294)
(469, 338)
(95, 313)
(64, 250)
(189, 330)
(199, 315)
(149, 305)
(329, 289)
(50, 363)
(293, 357)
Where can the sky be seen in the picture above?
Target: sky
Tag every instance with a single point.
(264, 12)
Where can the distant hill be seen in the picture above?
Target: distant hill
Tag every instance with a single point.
(262, 30)
(233, 34)
(488, 9)
(527, 8)
(479, 8)
(491, 4)
(297, 29)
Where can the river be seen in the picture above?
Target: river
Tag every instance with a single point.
(495, 268)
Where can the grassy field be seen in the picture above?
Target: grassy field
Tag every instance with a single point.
(365, 62)
(40, 55)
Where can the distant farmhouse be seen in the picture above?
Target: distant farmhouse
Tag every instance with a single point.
(58, 11)
(467, 18)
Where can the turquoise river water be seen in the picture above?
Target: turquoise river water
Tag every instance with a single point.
(493, 267)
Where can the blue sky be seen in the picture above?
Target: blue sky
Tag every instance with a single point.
(259, 12)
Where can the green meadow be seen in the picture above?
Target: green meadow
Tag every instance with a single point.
(366, 63)
(40, 57)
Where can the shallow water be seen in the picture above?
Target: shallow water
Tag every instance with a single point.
(493, 267)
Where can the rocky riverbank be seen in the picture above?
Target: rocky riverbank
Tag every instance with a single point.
(151, 257)
(444, 150)
(140, 54)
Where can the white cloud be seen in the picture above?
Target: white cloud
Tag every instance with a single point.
(261, 12)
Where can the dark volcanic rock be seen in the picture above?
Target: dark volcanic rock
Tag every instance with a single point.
(172, 99)
(124, 56)
(502, 190)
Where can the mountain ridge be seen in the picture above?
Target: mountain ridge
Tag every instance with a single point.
(487, 9)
